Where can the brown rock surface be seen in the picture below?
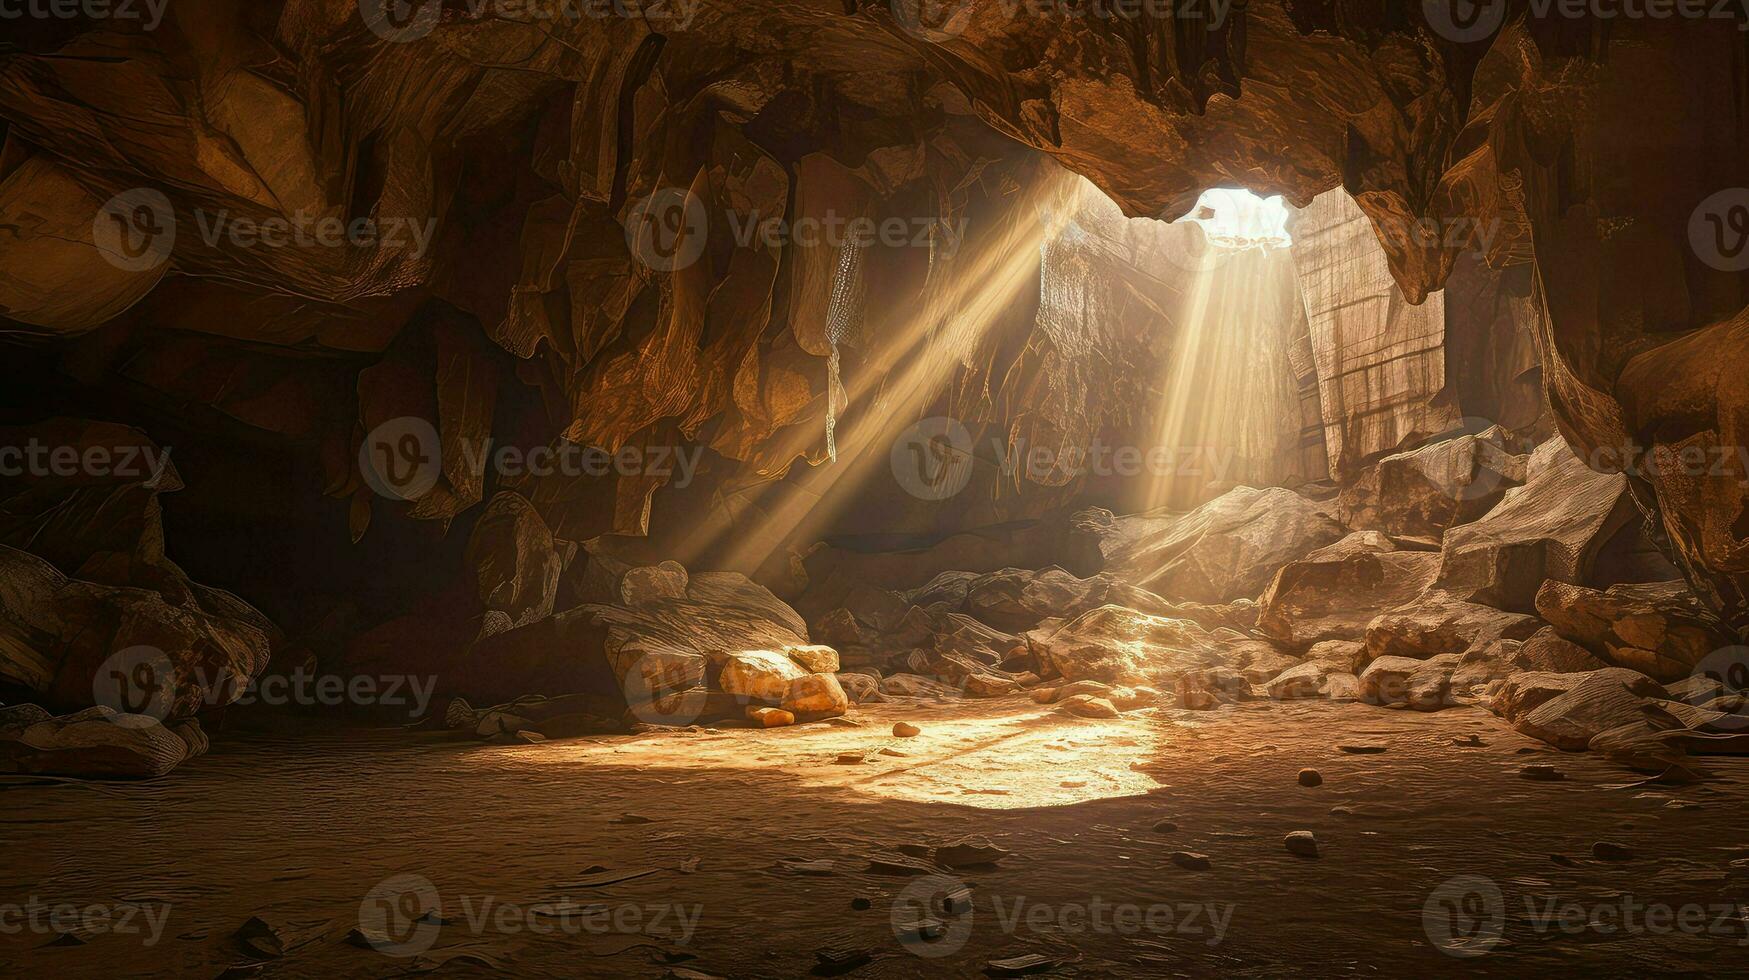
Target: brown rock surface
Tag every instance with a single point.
(1660, 629)
(1334, 592)
(1550, 528)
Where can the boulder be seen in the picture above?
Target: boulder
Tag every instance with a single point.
(1386, 679)
(861, 688)
(1229, 548)
(915, 686)
(1339, 656)
(814, 696)
(840, 629)
(515, 564)
(1334, 592)
(637, 653)
(1659, 628)
(814, 658)
(1304, 680)
(1552, 527)
(1088, 706)
(75, 644)
(1122, 646)
(653, 583)
(758, 675)
(1549, 651)
(1425, 491)
(1524, 692)
(1600, 701)
(1438, 623)
(96, 742)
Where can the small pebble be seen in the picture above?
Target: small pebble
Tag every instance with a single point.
(1311, 777)
(1605, 850)
(1165, 827)
(1302, 843)
(859, 903)
(1190, 860)
(1362, 749)
(1542, 774)
(851, 759)
(905, 729)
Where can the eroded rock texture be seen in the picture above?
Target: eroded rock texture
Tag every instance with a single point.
(544, 242)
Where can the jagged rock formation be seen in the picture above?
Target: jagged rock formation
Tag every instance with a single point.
(297, 235)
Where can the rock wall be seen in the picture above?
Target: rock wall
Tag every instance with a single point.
(511, 172)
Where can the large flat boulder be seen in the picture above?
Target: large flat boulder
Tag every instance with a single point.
(1552, 527)
(1437, 623)
(1334, 592)
(96, 742)
(1658, 628)
(1229, 548)
(1425, 491)
(1598, 702)
(1118, 645)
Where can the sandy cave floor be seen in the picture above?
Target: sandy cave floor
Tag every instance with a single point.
(300, 829)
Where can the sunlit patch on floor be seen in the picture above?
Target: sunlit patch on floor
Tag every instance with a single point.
(996, 755)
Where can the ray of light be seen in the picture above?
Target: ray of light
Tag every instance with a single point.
(906, 372)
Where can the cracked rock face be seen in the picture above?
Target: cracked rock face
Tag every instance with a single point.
(349, 265)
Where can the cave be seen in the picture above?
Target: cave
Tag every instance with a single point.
(874, 488)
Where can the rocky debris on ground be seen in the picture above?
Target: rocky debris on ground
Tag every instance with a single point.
(1301, 843)
(1552, 527)
(1660, 629)
(96, 742)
